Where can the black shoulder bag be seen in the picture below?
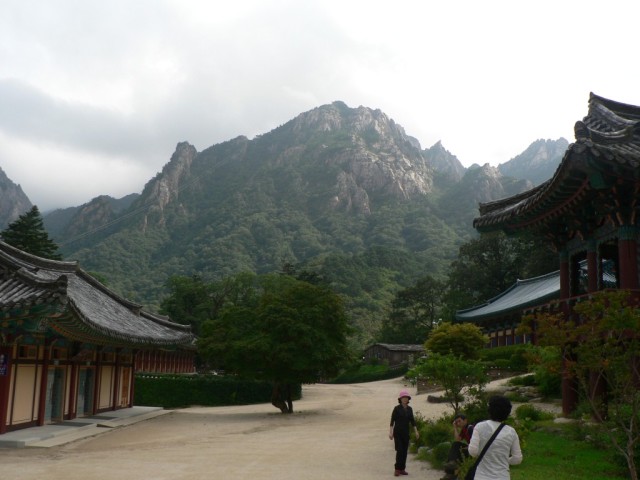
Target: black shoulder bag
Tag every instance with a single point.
(472, 471)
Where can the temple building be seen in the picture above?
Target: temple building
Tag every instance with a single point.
(500, 317)
(69, 346)
(588, 211)
(393, 354)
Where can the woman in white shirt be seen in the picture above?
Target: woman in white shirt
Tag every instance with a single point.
(505, 449)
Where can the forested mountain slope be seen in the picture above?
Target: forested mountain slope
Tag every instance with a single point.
(343, 192)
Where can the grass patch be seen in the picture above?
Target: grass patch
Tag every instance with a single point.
(549, 455)
(551, 451)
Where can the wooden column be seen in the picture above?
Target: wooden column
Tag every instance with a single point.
(73, 394)
(42, 399)
(592, 267)
(132, 387)
(115, 397)
(565, 287)
(628, 257)
(569, 383)
(97, 382)
(569, 390)
(5, 381)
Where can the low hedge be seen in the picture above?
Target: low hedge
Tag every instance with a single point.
(175, 391)
(369, 373)
(512, 357)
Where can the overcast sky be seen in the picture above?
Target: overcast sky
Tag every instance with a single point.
(95, 95)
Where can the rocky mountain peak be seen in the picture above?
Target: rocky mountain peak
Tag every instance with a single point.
(444, 162)
(14, 201)
(381, 159)
(90, 216)
(538, 162)
(165, 187)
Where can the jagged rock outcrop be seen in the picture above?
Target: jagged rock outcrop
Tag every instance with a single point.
(479, 184)
(14, 201)
(66, 224)
(166, 186)
(487, 184)
(376, 157)
(91, 216)
(445, 163)
(538, 162)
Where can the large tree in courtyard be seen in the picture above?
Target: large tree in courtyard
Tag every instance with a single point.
(28, 234)
(291, 332)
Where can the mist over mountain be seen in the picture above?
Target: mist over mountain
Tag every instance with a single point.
(341, 192)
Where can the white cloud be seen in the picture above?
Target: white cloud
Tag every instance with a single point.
(106, 89)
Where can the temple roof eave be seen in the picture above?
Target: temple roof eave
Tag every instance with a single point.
(74, 304)
(607, 144)
(520, 296)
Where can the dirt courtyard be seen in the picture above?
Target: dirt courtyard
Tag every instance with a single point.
(336, 432)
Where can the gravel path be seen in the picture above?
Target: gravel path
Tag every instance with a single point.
(336, 432)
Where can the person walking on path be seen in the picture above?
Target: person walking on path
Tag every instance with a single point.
(505, 449)
(401, 418)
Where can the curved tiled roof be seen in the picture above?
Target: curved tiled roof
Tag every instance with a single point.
(400, 347)
(80, 307)
(527, 293)
(607, 143)
(522, 294)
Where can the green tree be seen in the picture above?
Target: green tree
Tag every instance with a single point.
(457, 376)
(414, 312)
(601, 352)
(295, 333)
(192, 301)
(462, 340)
(486, 266)
(28, 234)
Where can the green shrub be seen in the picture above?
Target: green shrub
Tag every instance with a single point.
(466, 464)
(549, 383)
(516, 397)
(439, 455)
(174, 391)
(476, 410)
(437, 431)
(362, 373)
(533, 413)
(546, 366)
(513, 357)
(523, 381)
(503, 363)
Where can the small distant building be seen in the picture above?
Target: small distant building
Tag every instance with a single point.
(69, 346)
(393, 354)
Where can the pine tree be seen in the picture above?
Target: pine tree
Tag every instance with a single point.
(28, 234)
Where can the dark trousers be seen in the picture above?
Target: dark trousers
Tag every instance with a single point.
(457, 453)
(402, 449)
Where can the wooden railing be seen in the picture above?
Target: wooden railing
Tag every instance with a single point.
(566, 305)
